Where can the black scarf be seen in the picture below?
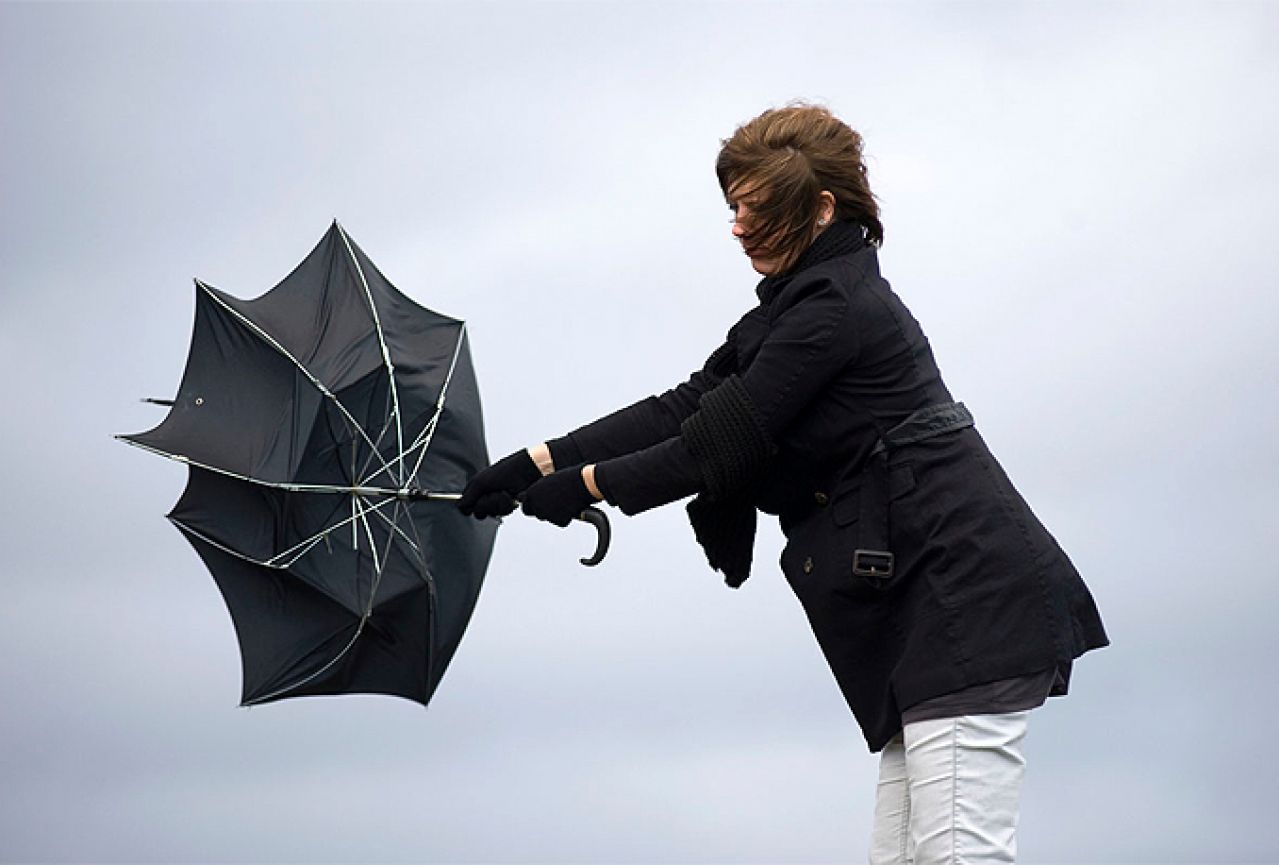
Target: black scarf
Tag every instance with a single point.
(724, 523)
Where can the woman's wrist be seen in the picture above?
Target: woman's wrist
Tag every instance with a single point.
(565, 452)
(541, 456)
(588, 478)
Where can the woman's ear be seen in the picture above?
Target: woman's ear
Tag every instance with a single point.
(825, 207)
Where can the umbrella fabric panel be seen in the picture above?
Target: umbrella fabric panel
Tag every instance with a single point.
(392, 655)
(457, 550)
(336, 310)
(353, 440)
(241, 407)
(294, 642)
(287, 632)
(319, 314)
(420, 342)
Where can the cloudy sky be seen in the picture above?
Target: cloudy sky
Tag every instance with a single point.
(1081, 203)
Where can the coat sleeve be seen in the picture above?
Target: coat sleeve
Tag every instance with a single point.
(810, 339)
(640, 425)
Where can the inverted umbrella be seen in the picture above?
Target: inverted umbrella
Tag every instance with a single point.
(328, 426)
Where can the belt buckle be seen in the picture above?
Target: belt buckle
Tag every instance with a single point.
(873, 564)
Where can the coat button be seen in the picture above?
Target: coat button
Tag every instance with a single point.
(821, 498)
(808, 565)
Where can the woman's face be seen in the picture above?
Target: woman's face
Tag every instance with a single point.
(741, 200)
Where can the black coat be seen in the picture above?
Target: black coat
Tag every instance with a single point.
(832, 359)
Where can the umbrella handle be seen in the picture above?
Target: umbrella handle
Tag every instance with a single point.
(599, 519)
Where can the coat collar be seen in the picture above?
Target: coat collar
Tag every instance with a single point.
(840, 238)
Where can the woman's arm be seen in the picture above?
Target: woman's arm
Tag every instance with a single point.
(640, 425)
(495, 490)
(808, 342)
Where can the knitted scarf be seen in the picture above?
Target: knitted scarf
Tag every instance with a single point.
(729, 440)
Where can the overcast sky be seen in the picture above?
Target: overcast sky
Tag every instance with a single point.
(1081, 206)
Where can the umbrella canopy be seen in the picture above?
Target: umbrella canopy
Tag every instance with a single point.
(327, 425)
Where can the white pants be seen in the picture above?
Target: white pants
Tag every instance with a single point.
(948, 792)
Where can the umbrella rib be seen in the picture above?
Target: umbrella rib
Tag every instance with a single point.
(284, 351)
(439, 405)
(221, 546)
(390, 539)
(433, 601)
(381, 338)
(430, 425)
(369, 459)
(311, 543)
(316, 538)
(279, 485)
(355, 531)
(377, 566)
(395, 527)
(368, 530)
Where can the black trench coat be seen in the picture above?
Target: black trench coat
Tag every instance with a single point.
(832, 359)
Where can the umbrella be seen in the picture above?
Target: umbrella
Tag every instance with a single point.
(327, 426)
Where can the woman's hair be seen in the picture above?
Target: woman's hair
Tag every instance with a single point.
(786, 157)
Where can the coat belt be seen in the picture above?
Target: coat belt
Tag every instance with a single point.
(873, 559)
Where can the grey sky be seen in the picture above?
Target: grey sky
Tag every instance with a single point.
(1080, 205)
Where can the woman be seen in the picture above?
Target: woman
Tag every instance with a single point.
(945, 609)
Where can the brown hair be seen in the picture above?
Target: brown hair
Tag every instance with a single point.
(788, 156)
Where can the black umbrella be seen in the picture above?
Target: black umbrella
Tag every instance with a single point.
(328, 426)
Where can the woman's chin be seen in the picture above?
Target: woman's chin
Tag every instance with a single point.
(764, 266)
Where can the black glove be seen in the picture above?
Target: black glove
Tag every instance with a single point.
(492, 492)
(558, 497)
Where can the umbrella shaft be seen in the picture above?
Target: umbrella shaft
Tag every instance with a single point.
(411, 494)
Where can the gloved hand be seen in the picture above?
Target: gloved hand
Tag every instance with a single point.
(558, 497)
(492, 492)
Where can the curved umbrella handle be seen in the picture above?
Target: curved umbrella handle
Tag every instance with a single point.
(599, 519)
